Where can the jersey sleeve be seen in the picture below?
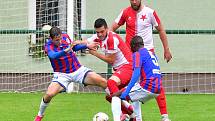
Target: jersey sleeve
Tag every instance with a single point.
(112, 45)
(120, 20)
(79, 47)
(155, 19)
(136, 60)
(51, 53)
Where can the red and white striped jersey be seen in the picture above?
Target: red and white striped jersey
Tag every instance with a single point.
(113, 43)
(139, 23)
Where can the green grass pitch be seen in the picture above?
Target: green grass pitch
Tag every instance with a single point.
(82, 107)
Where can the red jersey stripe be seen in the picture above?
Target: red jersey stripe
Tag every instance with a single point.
(156, 17)
(137, 59)
(110, 42)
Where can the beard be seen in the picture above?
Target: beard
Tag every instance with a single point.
(135, 7)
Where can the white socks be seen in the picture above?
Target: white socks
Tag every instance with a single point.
(116, 108)
(137, 110)
(42, 108)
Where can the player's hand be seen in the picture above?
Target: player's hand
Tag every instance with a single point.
(69, 48)
(167, 55)
(123, 96)
(92, 52)
(93, 46)
(73, 44)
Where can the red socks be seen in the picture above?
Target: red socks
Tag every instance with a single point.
(161, 101)
(112, 86)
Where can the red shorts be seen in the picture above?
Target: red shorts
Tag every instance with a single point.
(124, 73)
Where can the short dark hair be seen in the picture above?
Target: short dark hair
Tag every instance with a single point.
(54, 31)
(100, 22)
(136, 43)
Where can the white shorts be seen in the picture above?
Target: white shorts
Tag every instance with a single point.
(137, 93)
(65, 79)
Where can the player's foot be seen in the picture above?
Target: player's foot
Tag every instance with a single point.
(38, 118)
(127, 110)
(131, 113)
(132, 117)
(165, 119)
(124, 117)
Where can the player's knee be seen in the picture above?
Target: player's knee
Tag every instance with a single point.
(162, 91)
(48, 97)
(95, 79)
(103, 83)
(112, 86)
(161, 96)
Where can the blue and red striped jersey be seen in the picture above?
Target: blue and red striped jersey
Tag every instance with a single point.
(150, 75)
(65, 62)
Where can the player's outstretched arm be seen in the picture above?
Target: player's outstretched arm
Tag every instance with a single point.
(79, 42)
(54, 55)
(109, 58)
(93, 46)
(134, 79)
(79, 47)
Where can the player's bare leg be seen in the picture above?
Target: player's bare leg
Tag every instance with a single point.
(93, 78)
(161, 101)
(53, 89)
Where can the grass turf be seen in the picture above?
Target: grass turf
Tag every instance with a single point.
(82, 107)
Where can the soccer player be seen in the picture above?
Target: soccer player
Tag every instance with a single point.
(66, 67)
(118, 55)
(140, 21)
(145, 66)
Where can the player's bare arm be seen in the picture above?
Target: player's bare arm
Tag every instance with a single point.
(163, 37)
(93, 45)
(109, 58)
(114, 27)
(79, 42)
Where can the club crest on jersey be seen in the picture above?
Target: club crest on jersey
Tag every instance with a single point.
(143, 17)
(129, 18)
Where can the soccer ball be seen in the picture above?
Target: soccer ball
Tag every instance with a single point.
(100, 116)
(46, 27)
